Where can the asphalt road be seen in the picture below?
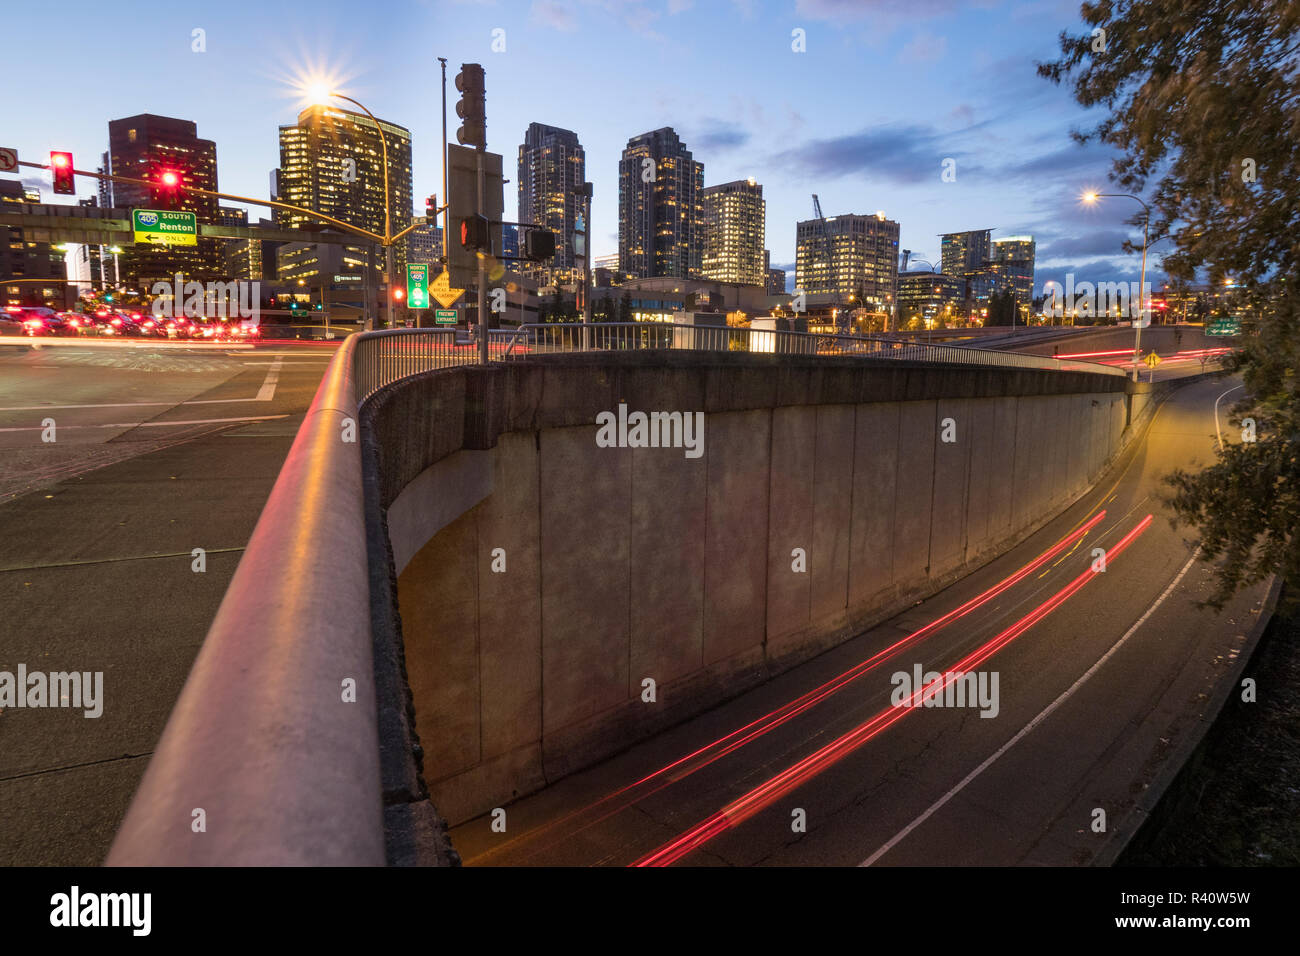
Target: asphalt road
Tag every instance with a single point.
(1100, 676)
(156, 452)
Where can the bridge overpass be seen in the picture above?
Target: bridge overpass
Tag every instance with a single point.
(459, 593)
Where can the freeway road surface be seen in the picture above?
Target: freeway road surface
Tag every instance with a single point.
(1101, 676)
(156, 452)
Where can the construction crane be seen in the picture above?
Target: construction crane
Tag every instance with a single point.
(817, 207)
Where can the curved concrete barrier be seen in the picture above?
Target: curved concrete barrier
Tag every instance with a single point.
(293, 742)
(271, 754)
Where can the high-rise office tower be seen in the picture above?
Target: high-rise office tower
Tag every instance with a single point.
(551, 165)
(331, 161)
(660, 208)
(141, 147)
(963, 252)
(1013, 260)
(848, 255)
(735, 230)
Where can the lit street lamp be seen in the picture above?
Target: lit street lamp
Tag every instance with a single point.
(1091, 198)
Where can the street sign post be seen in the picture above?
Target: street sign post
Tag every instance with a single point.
(445, 316)
(442, 291)
(1151, 361)
(417, 285)
(1228, 326)
(162, 227)
(8, 159)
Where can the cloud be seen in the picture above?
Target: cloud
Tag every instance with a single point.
(924, 48)
(1088, 245)
(892, 11)
(552, 13)
(898, 153)
(677, 6)
(714, 135)
(1068, 159)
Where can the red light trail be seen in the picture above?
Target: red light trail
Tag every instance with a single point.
(709, 753)
(804, 770)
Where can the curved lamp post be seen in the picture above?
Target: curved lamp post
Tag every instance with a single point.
(1142, 280)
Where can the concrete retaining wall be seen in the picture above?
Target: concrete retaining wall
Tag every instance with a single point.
(627, 564)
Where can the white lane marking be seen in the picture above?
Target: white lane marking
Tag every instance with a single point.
(1042, 715)
(264, 394)
(267, 391)
(85, 342)
(1218, 433)
(41, 408)
(195, 421)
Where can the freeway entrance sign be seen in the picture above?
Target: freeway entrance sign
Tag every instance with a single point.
(441, 290)
(417, 285)
(160, 227)
(1225, 326)
(445, 316)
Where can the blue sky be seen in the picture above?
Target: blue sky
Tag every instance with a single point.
(886, 90)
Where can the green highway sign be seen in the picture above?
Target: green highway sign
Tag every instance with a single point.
(444, 316)
(417, 285)
(162, 227)
(1228, 326)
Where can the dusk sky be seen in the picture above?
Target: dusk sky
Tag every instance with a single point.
(886, 90)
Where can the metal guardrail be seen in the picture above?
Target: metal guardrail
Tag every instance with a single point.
(540, 339)
(389, 355)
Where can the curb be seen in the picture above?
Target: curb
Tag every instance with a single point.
(1151, 796)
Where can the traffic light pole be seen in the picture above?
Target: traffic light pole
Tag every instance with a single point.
(482, 270)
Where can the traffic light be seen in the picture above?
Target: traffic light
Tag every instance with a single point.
(431, 208)
(474, 233)
(61, 173)
(471, 108)
(165, 190)
(539, 244)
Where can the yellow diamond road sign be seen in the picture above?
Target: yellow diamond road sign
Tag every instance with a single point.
(440, 288)
(1152, 360)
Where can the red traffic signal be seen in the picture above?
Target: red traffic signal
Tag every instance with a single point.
(165, 192)
(399, 295)
(61, 173)
(474, 233)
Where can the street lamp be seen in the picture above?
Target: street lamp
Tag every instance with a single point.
(320, 93)
(1092, 197)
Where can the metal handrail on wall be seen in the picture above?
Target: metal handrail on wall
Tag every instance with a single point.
(545, 338)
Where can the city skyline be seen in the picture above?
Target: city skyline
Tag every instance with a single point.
(872, 150)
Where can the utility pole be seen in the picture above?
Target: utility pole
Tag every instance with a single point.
(446, 196)
(586, 258)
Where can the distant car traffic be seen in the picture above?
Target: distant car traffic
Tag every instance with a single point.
(39, 320)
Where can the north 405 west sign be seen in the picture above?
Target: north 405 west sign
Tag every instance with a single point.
(161, 227)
